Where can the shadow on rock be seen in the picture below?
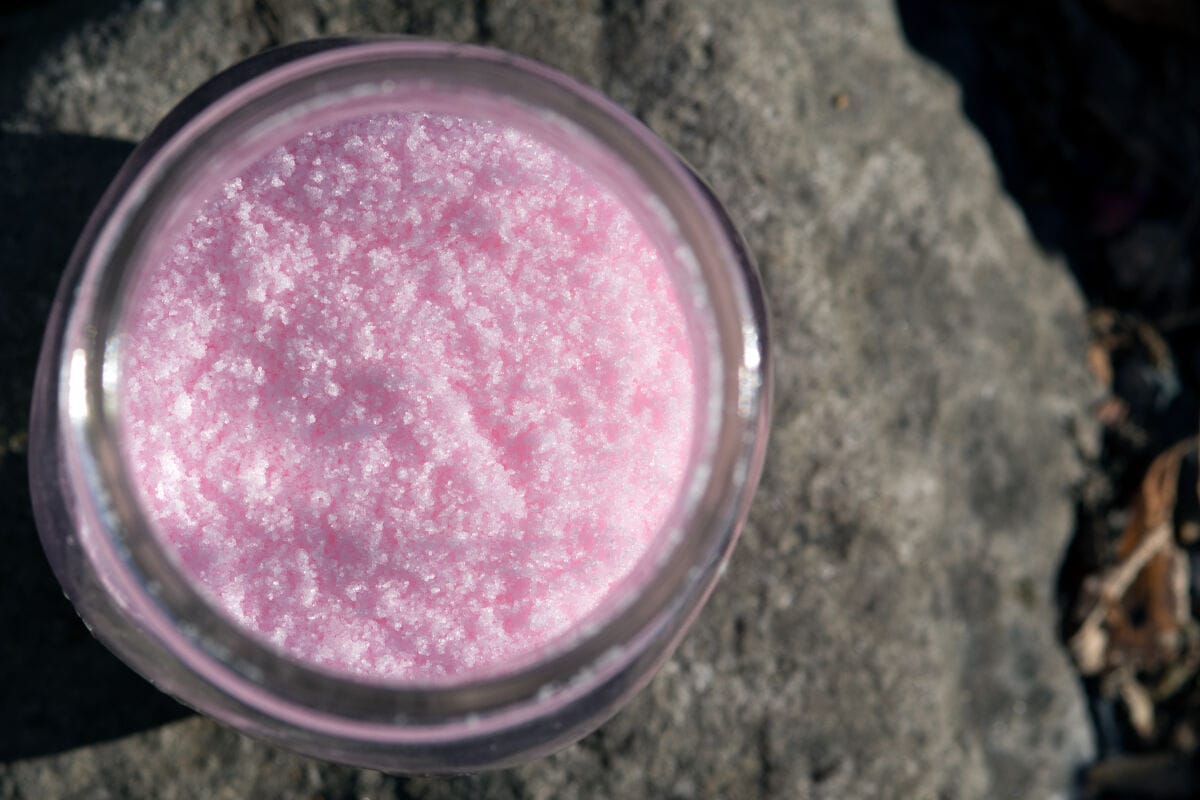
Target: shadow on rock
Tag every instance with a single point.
(59, 688)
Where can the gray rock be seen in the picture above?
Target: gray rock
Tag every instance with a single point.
(886, 627)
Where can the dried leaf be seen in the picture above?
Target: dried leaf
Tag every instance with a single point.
(1150, 576)
(1156, 500)
(1139, 705)
(1100, 364)
(1090, 649)
(1155, 345)
(1112, 411)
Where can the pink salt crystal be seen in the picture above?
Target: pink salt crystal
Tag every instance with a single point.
(410, 396)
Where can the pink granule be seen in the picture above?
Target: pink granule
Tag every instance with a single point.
(410, 396)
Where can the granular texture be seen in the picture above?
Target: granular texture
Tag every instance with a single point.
(410, 396)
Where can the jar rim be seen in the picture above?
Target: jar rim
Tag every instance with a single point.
(232, 658)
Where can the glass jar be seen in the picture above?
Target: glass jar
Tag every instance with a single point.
(135, 596)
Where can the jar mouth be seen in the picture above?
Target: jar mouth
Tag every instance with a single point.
(316, 83)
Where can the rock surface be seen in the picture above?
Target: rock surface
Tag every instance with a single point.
(886, 627)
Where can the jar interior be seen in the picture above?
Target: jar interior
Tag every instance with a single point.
(230, 149)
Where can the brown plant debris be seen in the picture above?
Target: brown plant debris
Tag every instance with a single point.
(1126, 347)
(1136, 630)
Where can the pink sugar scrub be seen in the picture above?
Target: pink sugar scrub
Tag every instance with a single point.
(410, 397)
